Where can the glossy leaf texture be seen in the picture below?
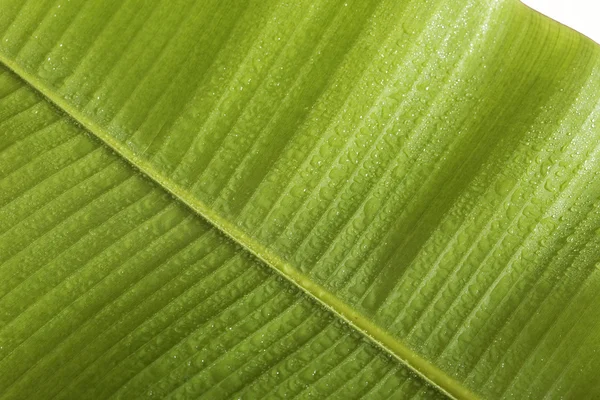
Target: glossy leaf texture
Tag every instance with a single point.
(428, 171)
(112, 288)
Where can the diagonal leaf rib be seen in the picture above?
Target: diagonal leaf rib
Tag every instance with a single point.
(384, 340)
(425, 168)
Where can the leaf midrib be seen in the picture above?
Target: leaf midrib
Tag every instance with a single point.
(335, 305)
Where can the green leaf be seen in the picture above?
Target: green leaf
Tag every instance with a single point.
(111, 287)
(379, 199)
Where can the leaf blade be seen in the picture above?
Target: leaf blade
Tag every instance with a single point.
(551, 76)
(112, 288)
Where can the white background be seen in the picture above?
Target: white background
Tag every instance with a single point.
(581, 15)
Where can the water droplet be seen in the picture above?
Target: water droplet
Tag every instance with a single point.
(504, 185)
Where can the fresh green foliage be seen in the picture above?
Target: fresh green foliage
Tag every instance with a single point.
(268, 199)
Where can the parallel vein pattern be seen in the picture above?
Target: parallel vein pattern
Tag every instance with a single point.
(112, 289)
(428, 169)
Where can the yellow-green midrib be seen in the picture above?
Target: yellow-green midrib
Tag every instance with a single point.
(427, 166)
(112, 289)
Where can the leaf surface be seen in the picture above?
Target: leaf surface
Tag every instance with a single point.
(427, 170)
(111, 288)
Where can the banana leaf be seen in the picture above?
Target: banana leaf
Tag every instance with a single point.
(311, 199)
